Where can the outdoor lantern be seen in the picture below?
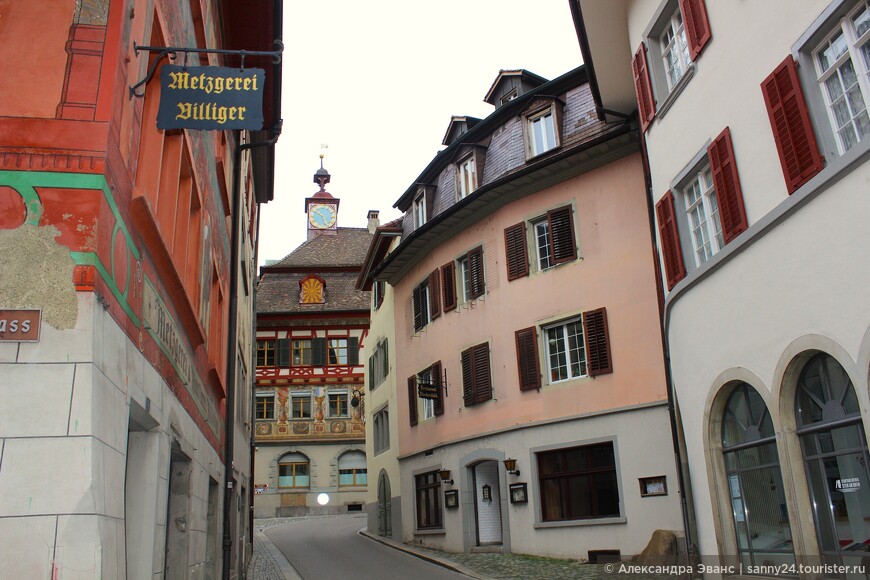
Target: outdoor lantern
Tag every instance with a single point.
(487, 492)
(445, 476)
(511, 466)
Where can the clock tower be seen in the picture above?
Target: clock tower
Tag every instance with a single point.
(321, 208)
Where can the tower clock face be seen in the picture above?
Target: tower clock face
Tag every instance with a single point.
(321, 216)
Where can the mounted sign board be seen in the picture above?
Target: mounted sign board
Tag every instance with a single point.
(19, 325)
(213, 98)
(427, 390)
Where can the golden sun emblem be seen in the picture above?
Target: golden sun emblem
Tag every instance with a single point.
(312, 291)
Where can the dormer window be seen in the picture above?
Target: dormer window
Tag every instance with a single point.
(467, 177)
(509, 97)
(542, 126)
(420, 209)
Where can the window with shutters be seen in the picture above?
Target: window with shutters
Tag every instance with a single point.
(265, 406)
(555, 242)
(265, 353)
(428, 404)
(565, 350)
(301, 352)
(431, 377)
(337, 351)
(448, 286)
(381, 430)
(665, 63)
(476, 375)
(379, 365)
(516, 252)
(471, 275)
(702, 210)
(420, 304)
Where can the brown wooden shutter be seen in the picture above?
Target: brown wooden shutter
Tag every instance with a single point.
(482, 375)
(448, 286)
(672, 254)
(527, 359)
(516, 251)
(790, 121)
(727, 185)
(467, 378)
(436, 374)
(417, 298)
(560, 222)
(412, 400)
(646, 105)
(475, 272)
(434, 294)
(697, 25)
(597, 342)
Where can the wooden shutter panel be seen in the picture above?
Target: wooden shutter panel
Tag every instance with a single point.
(790, 121)
(434, 294)
(516, 251)
(412, 400)
(597, 342)
(727, 185)
(371, 372)
(448, 286)
(475, 270)
(438, 404)
(353, 350)
(318, 352)
(646, 106)
(482, 375)
(697, 25)
(386, 358)
(380, 288)
(467, 378)
(560, 222)
(417, 298)
(675, 268)
(527, 359)
(283, 352)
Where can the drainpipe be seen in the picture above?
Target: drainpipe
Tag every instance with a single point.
(232, 332)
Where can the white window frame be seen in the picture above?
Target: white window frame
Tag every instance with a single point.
(420, 209)
(550, 136)
(541, 233)
(560, 331)
(674, 48)
(702, 215)
(428, 404)
(857, 52)
(464, 285)
(467, 171)
(665, 92)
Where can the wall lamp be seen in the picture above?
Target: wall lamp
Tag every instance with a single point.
(445, 476)
(511, 466)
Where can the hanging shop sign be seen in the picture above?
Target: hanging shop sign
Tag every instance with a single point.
(19, 325)
(427, 390)
(212, 98)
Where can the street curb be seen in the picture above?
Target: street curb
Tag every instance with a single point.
(443, 562)
(284, 568)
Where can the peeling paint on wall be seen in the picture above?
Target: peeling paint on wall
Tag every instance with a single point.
(37, 272)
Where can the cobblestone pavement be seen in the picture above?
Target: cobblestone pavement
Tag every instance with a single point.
(269, 563)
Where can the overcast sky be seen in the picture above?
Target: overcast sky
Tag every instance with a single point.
(377, 83)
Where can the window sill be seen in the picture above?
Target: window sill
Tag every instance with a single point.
(542, 154)
(432, 532)
(668, 101)
(580, 523)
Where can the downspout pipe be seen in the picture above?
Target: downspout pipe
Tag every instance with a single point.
(232, 339)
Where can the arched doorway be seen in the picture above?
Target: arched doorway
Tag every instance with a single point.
(835, 458)
(754, 480)
(385, 525)
(487, 503)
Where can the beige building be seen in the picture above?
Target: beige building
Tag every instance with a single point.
(312, 332)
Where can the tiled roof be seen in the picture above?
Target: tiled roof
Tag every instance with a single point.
(347, 248)
(279, 293)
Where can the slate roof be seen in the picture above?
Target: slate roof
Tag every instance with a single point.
(278, 289)
(347, 248)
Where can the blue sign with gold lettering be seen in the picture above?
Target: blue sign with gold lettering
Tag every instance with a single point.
(213, 98)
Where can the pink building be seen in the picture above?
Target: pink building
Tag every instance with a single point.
(527, 333)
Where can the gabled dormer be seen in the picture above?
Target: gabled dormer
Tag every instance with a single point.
(510, 84)
(458, 126)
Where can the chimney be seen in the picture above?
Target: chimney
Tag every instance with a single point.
(374, 222)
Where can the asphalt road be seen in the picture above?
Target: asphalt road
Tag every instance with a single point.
(331, 549)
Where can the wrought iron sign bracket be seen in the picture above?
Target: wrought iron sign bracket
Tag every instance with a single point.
(170, 51)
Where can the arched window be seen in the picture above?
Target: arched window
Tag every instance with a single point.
(293, 471)
(352, 468)
(754, 480)
(836, 459)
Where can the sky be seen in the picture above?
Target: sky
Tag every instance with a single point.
(372, 86)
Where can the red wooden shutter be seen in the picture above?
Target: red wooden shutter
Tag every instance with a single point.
(434, 294)
(467, 378)
(527, 359)
(448, 286)
(516, 251)
(646, 105)
(727, 185)
(482, 375)
(597, 342)
(560, 223)
(790, 121)
(436, 374)
(675, 269)
(412, 400)
(697, 25)
(475, 272)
